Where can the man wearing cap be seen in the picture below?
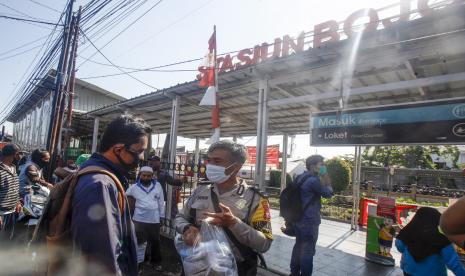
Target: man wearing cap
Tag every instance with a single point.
(147, 205)
(9, 191)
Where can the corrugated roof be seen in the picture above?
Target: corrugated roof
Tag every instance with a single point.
(44, 88)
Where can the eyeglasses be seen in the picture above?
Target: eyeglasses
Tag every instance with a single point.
(134, 153)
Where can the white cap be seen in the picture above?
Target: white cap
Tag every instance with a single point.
(146, 169)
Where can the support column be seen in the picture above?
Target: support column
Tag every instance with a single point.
(284, 162)
(292, 153)
(356, 186)
(172, 158)
(196, 160)
(95, 134)
(262, 133)
(149, 147)
(235, 138)
(359, 166)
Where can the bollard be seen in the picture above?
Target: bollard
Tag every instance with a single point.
(370, 189)
(414, 191)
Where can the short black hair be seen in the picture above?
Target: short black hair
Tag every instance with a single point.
(313, 160)
(10, 149)
(238, 152)
(125, 129)
(38, 154)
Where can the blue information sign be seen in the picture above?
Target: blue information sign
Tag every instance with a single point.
(440, 122)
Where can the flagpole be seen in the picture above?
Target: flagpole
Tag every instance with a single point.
(216, 84)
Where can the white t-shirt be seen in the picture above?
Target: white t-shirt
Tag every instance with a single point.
(150, 203)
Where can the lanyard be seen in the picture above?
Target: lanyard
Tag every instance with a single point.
(143, 188)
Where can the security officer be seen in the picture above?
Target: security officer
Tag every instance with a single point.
(241, 210)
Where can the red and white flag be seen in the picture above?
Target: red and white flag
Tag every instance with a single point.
(207, 78)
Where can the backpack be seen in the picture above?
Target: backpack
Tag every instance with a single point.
(54, 227)
(290, 203)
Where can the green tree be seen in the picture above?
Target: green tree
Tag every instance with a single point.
(340, 173)
(381, 156)
(408, 156)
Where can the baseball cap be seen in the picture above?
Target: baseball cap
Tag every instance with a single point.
(154, 158)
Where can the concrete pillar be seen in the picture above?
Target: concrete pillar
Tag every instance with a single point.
(356, 186)
(262, 133)
(292, 153)
(284, 162)
(95, 134)
(172, 157)
(196, 160)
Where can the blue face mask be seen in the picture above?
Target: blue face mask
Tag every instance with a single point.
(323, 170)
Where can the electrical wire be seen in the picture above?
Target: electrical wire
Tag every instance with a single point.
(28, 20)
(180, 19)
(23, 45)
(126, 28)
(20, 12)
(25, 14)
(20, 53)
(114, 17)
(41, 66)
(123, 72)
(124, 12)
(45, 6)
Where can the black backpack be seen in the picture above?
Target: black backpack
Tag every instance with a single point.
(290, 203)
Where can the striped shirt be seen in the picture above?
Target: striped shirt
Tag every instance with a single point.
(9, 188)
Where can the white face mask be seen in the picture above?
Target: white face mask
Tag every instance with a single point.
(217, 174)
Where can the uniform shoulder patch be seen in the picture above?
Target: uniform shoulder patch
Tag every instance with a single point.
(261, 219)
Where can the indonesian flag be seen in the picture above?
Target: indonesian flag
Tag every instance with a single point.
(207, 73)
(207, 78)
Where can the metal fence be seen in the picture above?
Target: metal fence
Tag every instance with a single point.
(414, 189)
(186, 177)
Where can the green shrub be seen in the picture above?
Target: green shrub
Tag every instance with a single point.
(275, 179)
(340, 173)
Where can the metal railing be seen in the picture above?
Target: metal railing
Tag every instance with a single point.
(417, 190)
(185, 178)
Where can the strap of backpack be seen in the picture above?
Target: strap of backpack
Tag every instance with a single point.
(243, 249)
(119, 186)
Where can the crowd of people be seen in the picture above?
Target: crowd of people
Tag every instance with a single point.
(95, 217)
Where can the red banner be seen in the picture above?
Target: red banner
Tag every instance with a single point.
(272, 155)
(386, 207)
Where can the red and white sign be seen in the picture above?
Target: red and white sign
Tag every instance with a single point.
(329, 31)
(272, 155)
(386, 207)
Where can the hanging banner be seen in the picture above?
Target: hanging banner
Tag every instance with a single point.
(272, 155)
(438, 122)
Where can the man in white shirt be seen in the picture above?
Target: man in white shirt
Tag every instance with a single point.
(147, 206)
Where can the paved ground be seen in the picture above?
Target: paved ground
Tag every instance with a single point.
(339, 251)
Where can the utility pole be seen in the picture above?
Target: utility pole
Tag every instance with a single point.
(58, 93)
(71, 84)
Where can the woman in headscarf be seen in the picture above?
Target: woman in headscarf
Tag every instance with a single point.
(425, 251)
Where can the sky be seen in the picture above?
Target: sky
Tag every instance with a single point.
(175, 30)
